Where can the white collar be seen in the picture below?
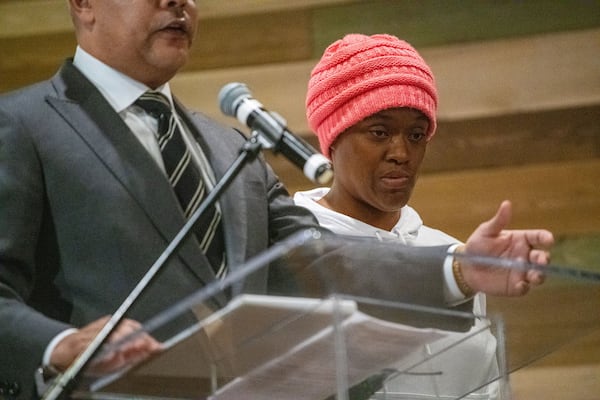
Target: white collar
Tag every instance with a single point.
(407, 227)
(119, 89)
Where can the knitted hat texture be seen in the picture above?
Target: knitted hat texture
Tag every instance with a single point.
(361, 75)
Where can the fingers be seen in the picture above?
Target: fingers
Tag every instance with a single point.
(138, 343)
(135, 347)
(69, 348)
(524, 281)
(125, 328)
(535, 277)
(521, 288)
(498, 222)
(537, 256)
(540, 238)
(492, 238)
(532, 278)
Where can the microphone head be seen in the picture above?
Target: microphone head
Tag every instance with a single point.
(230, 97)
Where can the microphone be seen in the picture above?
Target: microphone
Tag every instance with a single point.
(236, 101)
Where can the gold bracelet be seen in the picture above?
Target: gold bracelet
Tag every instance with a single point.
(464, 287)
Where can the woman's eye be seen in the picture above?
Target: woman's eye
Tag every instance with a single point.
(416, 136)
(379, 133)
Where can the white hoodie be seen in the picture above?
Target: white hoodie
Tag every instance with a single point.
(475, 358)
(409, 229)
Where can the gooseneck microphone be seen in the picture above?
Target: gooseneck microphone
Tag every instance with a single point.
(235, 100)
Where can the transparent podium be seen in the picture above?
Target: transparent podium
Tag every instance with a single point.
(312, 338)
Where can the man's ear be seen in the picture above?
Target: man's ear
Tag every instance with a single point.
(79, 4)
(81, 11)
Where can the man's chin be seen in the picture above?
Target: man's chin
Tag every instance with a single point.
(170, 58)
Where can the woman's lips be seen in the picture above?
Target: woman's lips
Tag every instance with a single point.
(396, 181)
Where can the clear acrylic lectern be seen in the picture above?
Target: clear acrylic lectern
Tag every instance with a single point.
(310, 339)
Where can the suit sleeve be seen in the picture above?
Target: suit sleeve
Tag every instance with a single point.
(357, 266)
(24, 332)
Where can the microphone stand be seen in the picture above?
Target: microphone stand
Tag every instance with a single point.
(62, 386)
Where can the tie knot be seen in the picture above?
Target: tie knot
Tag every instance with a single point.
(154, 103)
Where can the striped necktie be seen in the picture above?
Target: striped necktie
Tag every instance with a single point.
(186, 179)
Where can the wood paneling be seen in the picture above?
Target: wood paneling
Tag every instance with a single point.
(562, 197)
(519, 113)
(581, 382)
(510, 140)
(426, 23)
(32, 58)
(518, 81)
(515, 139)
(242, 40)
(475, 80)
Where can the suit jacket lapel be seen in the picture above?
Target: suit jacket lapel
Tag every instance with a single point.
(108, 136)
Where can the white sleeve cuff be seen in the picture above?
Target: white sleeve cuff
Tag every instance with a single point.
(452, 293)
(53, 343)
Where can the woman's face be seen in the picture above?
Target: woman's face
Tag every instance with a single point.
(376, 161)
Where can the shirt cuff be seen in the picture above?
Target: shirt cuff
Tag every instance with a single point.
(53, 343)
(452, 293)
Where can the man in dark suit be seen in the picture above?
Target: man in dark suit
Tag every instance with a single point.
(86, 206)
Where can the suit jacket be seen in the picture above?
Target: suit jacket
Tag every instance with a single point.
(84, 211)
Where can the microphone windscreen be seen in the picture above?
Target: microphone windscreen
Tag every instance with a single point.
(230, 96)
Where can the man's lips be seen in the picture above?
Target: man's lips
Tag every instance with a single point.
(179, 27)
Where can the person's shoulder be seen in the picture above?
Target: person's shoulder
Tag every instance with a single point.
(32, 92)
(311, 195)
(204, 120)
(26, 105)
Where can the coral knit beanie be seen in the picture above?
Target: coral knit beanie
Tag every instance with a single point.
(361, 75)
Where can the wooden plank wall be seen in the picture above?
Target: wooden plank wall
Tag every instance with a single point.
(519, 113)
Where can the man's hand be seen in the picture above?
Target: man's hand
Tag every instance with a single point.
(69, 348)
(491, 239)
